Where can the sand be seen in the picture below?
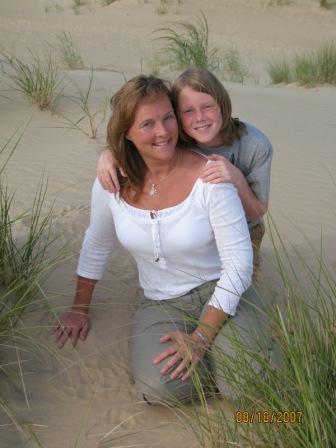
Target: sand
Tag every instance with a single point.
(87, 392)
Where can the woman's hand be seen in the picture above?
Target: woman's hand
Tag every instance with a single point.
(72, 325)
(107, 172)
(184, 354)
(220, 170)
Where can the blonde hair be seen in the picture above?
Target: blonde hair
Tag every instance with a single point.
(124, 104)
(201, 80)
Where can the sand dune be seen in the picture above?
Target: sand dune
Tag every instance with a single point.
(88, 392)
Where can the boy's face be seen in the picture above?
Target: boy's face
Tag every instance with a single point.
(200, 116)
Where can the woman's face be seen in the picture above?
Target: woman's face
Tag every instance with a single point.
(154, 130)
(200, 116)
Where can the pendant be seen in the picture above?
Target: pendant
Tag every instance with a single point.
(153, 190)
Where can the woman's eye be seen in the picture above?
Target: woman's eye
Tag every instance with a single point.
(147, 124)
(170, 116)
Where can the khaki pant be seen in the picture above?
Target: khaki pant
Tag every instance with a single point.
(152, 320)
(256, 234)
(155, 318)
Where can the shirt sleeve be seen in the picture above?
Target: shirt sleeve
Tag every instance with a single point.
(233, 241)
(259, 173)
(100, 237)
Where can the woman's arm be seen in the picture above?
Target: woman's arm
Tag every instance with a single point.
(98, 244)
(75, 323)
(229, 225)
(189, 349)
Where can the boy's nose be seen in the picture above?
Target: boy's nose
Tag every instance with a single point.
(199, 115)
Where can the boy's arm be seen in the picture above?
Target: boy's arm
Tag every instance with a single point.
(221, 170)
(107, 172)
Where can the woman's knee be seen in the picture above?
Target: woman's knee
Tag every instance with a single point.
(153, 387)
(165, 390)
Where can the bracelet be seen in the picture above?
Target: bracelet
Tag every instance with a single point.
(204, 339)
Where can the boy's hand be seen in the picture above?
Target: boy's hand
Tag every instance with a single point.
(220, 170)
(107, 172)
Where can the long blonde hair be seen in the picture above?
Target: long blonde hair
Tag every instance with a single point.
(124, 104)
(201, 80)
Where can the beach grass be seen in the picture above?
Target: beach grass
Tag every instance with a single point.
(26, 241)
(68, 53)
(38, 80)
(311, 69)
(91, 118)
(233, 68)
(76, 3)
(287, 397)
(280, 72)
(161, 10)
(279, 2)
(107, 2)
(27, 255)
(186, 44)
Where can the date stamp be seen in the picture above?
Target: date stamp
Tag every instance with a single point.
(277, 417)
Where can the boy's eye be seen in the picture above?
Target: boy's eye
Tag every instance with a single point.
(186, 111)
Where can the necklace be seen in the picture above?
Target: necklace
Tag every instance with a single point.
(153, 185)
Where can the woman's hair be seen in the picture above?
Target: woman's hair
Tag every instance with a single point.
(201, 80)
(124, 104)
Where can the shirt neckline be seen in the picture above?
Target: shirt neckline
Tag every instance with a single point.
(141, 212)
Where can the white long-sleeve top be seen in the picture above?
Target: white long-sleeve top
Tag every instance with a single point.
(176, 249)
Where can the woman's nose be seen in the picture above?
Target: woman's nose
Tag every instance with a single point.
(161, 128)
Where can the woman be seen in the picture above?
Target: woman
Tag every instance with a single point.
(240, 153)
(189, 239)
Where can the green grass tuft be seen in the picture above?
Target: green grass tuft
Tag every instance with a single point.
(279, 2)
(107, 2)
(91, 118)
(312, 69)
(292, 398)
(161, 10)
(279, 72)
(69, 54)
(25, 242)
(39, 80)
(233, 68)
(27, 255)
(77, 3)
(187, 45)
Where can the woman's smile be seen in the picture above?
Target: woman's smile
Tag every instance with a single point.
(154, 131)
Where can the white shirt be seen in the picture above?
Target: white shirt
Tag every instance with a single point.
(176, 249)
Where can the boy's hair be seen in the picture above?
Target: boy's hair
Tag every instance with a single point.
(124, 103)
(201, 80)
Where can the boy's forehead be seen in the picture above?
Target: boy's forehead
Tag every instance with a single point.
(189, 94)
